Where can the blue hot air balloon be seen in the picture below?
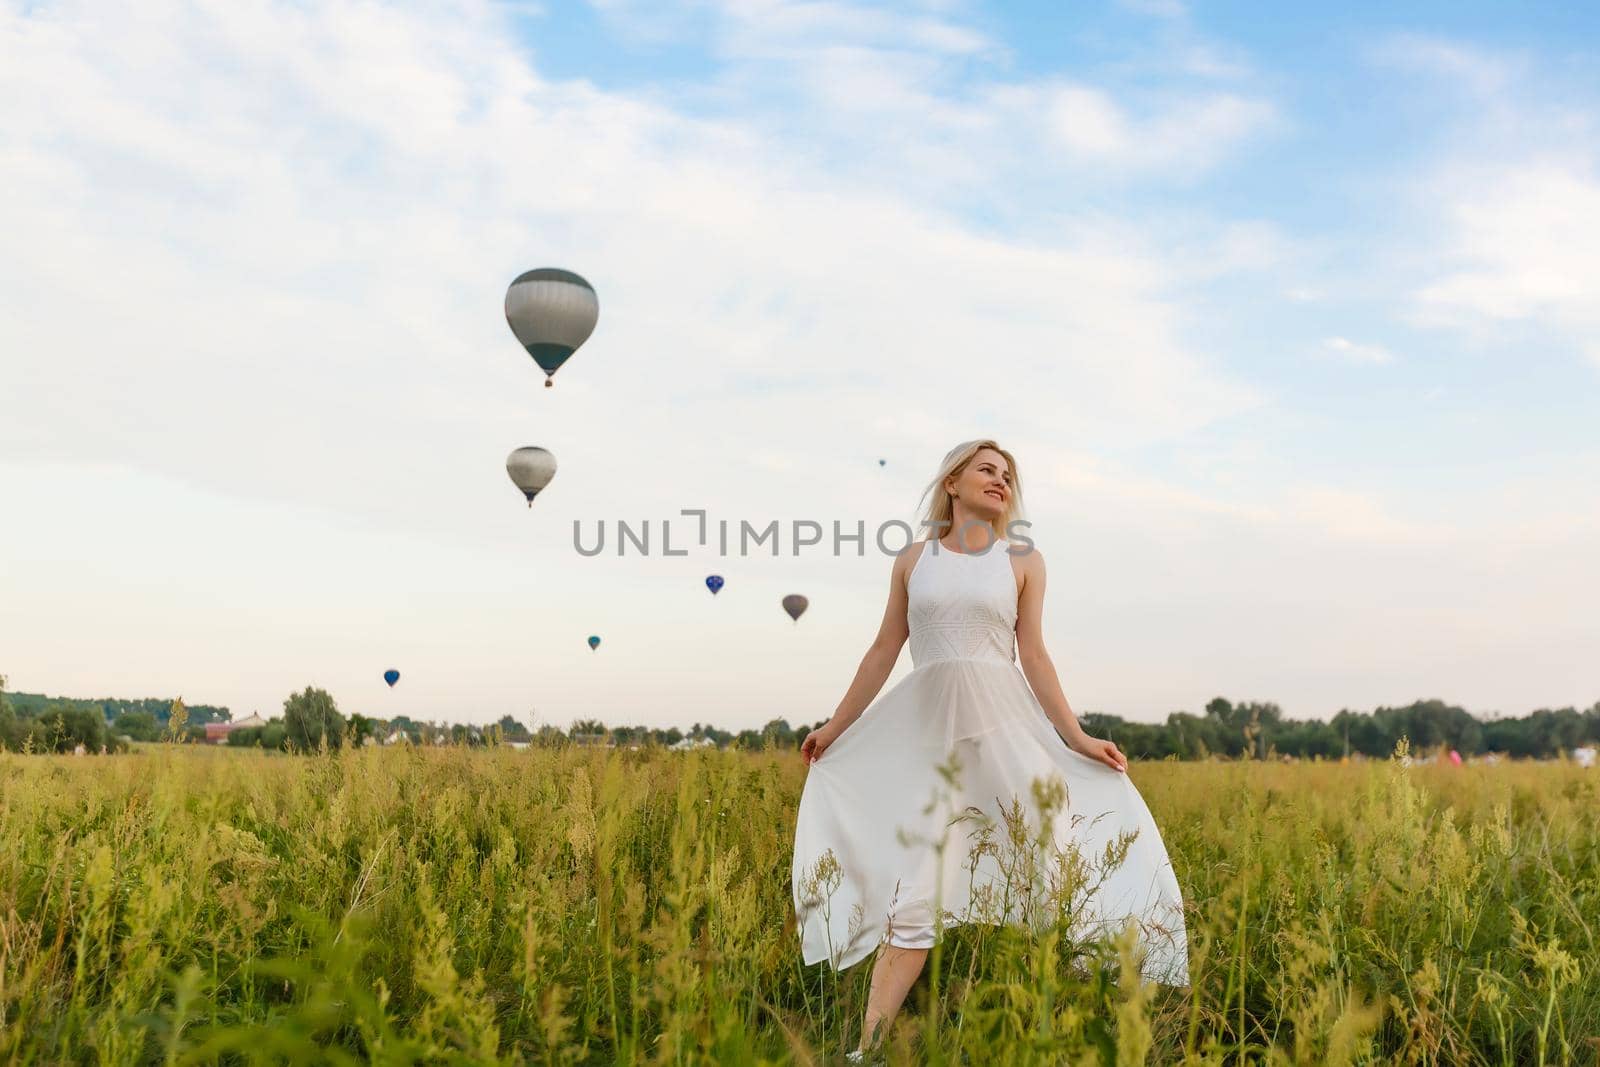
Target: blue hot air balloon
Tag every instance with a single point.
(594, 642)
(391, 676)
(714, 583)
(881, 462)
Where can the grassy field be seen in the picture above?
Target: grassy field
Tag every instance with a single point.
(184, 905)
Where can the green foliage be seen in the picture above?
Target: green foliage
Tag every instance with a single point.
(63, 729)
(137, 726)
(8, 718)
(178, 721)
(567, 905)
(245, 737)
(31, 704)
(362, 728)
(312, 720)
(512, 730)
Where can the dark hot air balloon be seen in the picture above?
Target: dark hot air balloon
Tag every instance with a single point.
(531, 469)
(594, 642)
(552, 312)
(714, 583)
(391, 676)
(795, 605)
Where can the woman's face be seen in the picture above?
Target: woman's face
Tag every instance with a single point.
(984, 486)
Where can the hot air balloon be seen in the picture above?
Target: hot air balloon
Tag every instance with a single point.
(531, 468)
(881, 462)
(594, 642)
(714, 583)
(795, 605)
(552, 312)
(391, 676)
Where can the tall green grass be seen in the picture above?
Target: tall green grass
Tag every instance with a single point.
(553, 906)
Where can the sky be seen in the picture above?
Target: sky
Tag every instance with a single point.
(1290, 316)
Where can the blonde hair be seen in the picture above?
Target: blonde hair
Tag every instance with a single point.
(937, 517)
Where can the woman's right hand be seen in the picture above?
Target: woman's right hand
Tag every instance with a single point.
(817, 742)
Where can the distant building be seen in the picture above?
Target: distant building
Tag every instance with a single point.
(691, 742)
(217, 732)
(1584, 756)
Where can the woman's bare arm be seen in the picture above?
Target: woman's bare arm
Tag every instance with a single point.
(884, 651)
(1040, 671)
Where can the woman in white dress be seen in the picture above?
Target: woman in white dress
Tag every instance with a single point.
(903, 817)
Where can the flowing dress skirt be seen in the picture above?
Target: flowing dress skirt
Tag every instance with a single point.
(907, 812)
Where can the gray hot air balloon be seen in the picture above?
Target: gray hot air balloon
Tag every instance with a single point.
(795, 605)
(531, 468)
(552, 312)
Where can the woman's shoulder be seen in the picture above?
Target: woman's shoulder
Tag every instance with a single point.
(1025, 555)
(906, 558)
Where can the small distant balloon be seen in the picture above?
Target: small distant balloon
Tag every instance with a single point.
(795, 605)
(594, 642)
(881, 462)
(391, 676)
(531, 469)
(714, 583)
(552, 312)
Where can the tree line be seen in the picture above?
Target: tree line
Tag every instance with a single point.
(1252, 730)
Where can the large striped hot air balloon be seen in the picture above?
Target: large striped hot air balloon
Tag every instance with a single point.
(552, 312)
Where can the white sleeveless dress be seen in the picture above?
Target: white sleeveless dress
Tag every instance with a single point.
(875, 807)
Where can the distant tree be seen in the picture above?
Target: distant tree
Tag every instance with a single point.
(461, 734)
(137, 726)
(9, 734)
(779, 734)
(361, 728)
(274, 735)
(512, 730)
(311, 719)
(245, 737)
(62, 729)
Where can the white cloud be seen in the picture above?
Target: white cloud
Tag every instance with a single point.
(1510, 205)
(1524, 246)
(1482, 72)
(1348, 350)
(1176, 138)
(918, 100)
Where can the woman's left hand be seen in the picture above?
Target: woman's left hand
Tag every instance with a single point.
(1106, 752)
